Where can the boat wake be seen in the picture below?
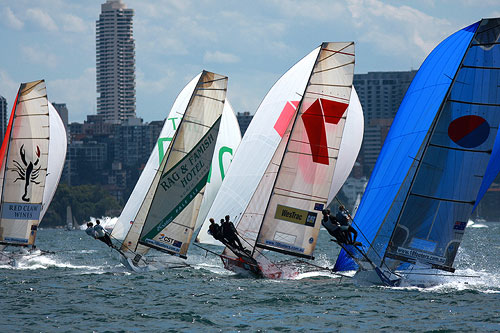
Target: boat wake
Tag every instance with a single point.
(461, 280)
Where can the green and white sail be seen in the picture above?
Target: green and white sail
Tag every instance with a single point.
(167, 216)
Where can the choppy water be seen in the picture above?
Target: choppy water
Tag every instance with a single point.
(83, 288)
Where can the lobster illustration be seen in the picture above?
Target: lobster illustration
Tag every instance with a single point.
(27, 171)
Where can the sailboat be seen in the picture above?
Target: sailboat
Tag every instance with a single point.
(158, 197)
(438, 160)
(281, 176)
(32, 159)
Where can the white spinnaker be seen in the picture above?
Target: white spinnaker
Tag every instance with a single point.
(57, 155)
(228, 141)
(350, 145)
(259, 144)
(137, 196)
(26, 166)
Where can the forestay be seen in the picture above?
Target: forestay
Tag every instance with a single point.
(302, 183)
(429, 172)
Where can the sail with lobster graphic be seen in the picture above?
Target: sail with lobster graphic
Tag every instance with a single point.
(31, 164)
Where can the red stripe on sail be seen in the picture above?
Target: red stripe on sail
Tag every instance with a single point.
(285, 117)
(5, 142)
(315, 128)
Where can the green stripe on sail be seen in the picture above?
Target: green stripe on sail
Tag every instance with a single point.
(177, 210)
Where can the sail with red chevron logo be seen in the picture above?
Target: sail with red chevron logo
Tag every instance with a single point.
(282, 211)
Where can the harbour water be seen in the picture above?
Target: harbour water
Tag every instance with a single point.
(82, 287)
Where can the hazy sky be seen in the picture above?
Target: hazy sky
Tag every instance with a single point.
(252, 42)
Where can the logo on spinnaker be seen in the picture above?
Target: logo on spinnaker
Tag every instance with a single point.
(469, 131)
(27, 171)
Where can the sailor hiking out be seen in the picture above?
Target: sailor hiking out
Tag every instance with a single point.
(101, 234)
(215, 230)
(230, 234)
(90, 230)
(350, 234)
(330, 223)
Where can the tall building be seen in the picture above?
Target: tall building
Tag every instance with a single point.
(380, 94)
(3, 117)
(115, 62)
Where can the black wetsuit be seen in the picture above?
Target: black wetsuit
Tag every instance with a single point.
(216, 232)
(229, 233)
(331, 225)
(349, 232)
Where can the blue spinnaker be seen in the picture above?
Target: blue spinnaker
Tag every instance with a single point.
(385, 194)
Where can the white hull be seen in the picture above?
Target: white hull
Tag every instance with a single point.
(127, 262)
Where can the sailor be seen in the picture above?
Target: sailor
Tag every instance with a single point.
(90, 230)
(101, 234)
(329, 222)
(230, 234)
(215, 230)
(349, 232)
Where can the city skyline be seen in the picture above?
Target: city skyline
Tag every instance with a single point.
(254, 44)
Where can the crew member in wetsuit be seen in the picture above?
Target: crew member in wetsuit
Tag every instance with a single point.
(101, 234)
(215, 230)
(349, 232)
(229, 232)
(90, 230)
(329, 222)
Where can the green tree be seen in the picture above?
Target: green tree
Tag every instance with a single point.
(84, 200)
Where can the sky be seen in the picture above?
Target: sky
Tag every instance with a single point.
(252, 42)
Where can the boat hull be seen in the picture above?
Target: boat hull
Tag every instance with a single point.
(129, 264)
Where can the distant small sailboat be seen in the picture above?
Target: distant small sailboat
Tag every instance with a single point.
(162, 211)
(282, 175)
(440, 156)
(32, 159)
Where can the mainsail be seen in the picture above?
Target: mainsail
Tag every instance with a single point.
(31, 164)
(168, 213)
(441, 145)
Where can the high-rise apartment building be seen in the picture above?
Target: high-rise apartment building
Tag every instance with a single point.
(115, 62)
(380, 94)
(3, 117)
